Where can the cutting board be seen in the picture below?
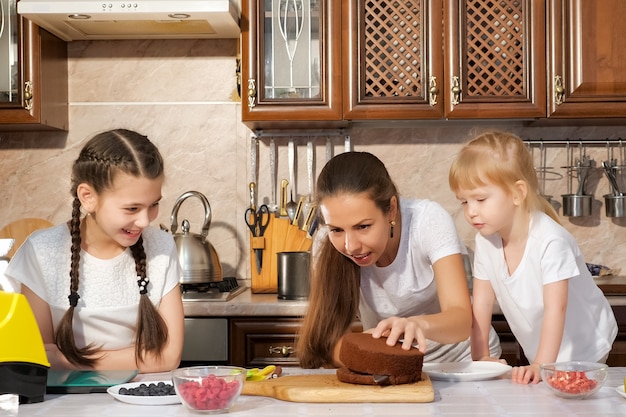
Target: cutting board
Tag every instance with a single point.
(326, 388)
(20, 229)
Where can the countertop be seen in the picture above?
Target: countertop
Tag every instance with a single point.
(248, 304)
(490, 398)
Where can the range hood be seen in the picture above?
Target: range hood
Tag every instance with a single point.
(134, 19)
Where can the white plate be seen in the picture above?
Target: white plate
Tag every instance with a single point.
(140, 399)
(465, 371)
(620, 391)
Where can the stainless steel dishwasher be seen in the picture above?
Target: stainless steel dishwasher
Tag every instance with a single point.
(206, 341)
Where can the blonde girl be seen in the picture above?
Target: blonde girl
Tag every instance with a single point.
(104, 286)
(526, 261)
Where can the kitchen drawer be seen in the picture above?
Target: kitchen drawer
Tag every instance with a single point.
(261, 341)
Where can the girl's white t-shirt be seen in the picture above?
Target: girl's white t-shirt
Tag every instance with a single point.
(551, 255)
(407, 286)
(107, 309)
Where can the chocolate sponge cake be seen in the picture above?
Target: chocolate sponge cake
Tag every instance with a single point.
(369, 361)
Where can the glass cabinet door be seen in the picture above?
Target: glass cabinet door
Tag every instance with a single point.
(291, 61)
(9, 78)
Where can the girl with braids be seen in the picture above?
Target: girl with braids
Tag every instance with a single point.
(527, 261)
(104, 286)
(395, 262)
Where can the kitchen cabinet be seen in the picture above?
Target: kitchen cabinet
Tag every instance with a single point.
(617, 357)
(400, 61)
(261, 341)
(489, 62)
(291, 63)
(34, 76)
(587, 69)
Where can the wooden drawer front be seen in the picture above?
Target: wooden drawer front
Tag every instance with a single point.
(257, 342)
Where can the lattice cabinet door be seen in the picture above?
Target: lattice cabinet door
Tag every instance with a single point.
(393, 59)
(587, 68)
(495, 59)
(291, 63)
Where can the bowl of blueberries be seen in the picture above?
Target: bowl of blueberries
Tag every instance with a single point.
(145, 393)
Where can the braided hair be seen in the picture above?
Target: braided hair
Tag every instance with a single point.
(105, 155)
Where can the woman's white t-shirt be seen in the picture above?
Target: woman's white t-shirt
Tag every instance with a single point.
(107, 309)
(407, 286)
(551, 255)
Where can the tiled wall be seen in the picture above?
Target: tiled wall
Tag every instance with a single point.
(182, 94)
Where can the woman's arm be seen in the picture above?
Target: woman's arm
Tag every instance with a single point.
(483, 299)
(552, 327)
(453, 324)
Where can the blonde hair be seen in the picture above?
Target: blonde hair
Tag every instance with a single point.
(499, 158)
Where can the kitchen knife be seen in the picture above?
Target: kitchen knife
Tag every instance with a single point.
(296, 217)
(283, 197)
(309, 217)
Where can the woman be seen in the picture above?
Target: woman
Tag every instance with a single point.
(398, 262)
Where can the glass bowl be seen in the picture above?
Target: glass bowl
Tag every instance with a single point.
(208, 389)
(574, 379)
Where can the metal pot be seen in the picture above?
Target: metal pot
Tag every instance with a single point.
(575, 205)
(196, 255)
(615, 205)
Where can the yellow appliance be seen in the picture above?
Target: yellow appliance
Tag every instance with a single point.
(23, 361)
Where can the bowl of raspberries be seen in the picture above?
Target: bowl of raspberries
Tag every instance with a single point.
(209, 389)
(574, 379)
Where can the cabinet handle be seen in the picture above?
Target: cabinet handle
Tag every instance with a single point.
(283, 350)
(28, 95)
(433, 91)
(251, 93)
(456, 90)
(559, 91)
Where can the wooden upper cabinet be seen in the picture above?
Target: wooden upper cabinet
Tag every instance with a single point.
(291, 63)
(587, 45)
(38, 96)
(495, 59)
(393, 59)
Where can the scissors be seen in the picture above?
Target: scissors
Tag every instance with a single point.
(257, 222)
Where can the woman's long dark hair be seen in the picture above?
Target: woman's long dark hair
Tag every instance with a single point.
(104, 156)
(335, 279)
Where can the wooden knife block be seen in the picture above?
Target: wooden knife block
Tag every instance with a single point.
(273, 241)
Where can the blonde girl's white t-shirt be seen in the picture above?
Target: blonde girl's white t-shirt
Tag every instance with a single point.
(407, 286)
(551, 255)
(107, 310)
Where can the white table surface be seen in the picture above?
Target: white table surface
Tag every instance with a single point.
(491, 398)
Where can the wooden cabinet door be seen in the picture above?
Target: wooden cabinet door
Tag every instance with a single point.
(587, 58)
(495, 59)
(291, 63)
(42, 102)
(393, 59)
(258, 342)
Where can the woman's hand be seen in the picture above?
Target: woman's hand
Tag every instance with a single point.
(527, 374)
(393, 328)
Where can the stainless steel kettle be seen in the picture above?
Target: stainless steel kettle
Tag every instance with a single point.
(197, 256)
